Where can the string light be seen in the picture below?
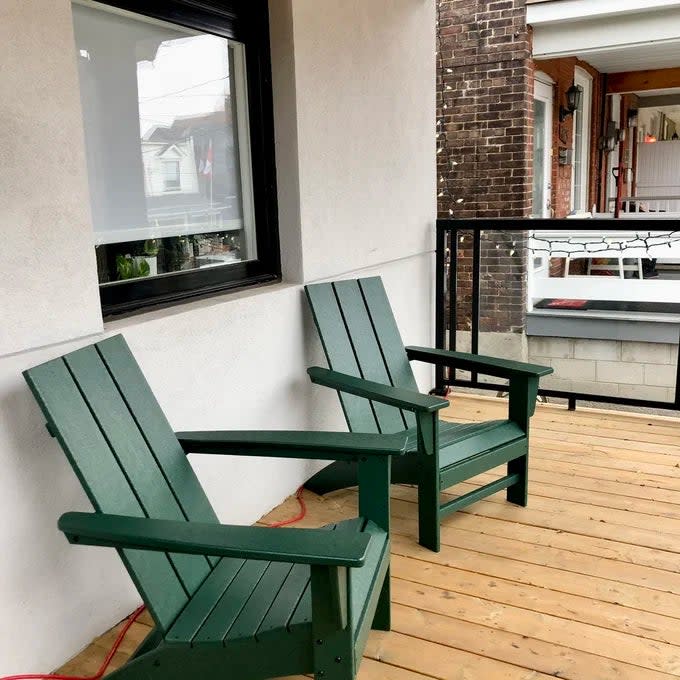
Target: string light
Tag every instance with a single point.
(446, 198)
(588, 244)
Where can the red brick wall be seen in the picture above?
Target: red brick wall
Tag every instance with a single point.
(487, 85)
(488, 119)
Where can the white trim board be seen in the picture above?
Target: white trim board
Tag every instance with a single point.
(555, 11)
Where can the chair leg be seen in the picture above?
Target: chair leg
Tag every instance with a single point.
(518, 492)
(333, 661)
(428, 505)
(382, 617)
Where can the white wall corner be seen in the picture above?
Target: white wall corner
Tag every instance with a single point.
(366, 132)
(286, 138)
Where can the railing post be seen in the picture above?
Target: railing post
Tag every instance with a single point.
(453, 289)
(440, 302)
(476, 285)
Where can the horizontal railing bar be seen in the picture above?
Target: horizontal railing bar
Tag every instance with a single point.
(579, 396)
(521, 223)
(633, 199)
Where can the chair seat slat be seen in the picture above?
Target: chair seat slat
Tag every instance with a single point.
(227, 610)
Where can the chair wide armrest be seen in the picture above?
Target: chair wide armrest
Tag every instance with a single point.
(409, 400)
(287, 444)
(501, 368)
(297, 546)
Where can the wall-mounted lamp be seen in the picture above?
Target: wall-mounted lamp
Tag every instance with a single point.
(610, 139)
(574, 98)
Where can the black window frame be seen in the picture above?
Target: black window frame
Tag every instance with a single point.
(245, 21)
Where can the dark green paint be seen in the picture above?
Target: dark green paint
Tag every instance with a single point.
(368, 362)
(250, 601)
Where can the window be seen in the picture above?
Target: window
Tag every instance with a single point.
(179, 147)
(171, 180)
(581, 141)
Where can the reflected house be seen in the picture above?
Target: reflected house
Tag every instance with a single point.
(186, 181)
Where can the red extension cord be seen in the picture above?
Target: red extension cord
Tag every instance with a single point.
(300, 516)
(137, 613)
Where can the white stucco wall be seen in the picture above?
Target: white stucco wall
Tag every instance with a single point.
(354, 106)
(45, 244)
(363, 91)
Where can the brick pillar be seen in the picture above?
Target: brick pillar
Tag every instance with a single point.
(503, 281)
(486, 83)
(488, 119)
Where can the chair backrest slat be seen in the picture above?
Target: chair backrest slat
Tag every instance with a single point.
(360, 337)
(128, 445)
(156, 429)
(389, 337)
(367, 350)
(339, 353)
(99, 405)
(104, 482)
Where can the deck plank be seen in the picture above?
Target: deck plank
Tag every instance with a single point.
(584, 583)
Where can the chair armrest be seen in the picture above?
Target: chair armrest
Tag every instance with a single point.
(409, 400)
(286, 444)
(501, 368)
(297, 546)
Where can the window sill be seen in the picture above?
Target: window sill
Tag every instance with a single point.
(120, 323)
(604, 325)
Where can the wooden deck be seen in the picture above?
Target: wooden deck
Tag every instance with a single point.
(583, 584)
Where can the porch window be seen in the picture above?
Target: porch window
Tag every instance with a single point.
(179, 138)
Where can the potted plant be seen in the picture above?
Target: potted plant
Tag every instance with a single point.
(149, 255)
(131, 267)
(142, 261)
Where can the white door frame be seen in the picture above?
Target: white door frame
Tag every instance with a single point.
(543, 91)
(583, 79)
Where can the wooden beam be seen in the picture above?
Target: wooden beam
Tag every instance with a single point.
(659, 100)
(638, 81)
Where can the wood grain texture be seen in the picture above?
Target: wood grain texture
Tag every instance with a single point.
(541, 592)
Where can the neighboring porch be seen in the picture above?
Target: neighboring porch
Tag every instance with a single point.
(606, 108)
(582, 584)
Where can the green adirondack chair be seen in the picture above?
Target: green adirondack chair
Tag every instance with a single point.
(370, 370)
(228, 601)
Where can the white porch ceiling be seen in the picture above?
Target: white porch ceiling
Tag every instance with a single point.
(634, 57)
(621, 37)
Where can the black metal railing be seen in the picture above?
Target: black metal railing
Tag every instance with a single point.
(456, 269)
